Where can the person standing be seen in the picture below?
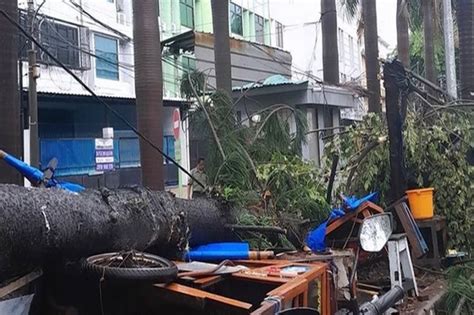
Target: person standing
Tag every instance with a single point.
(199, 174)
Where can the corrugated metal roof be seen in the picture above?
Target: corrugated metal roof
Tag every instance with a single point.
(274, 80)
(68, 93)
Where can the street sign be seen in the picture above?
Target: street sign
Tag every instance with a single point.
(104, 154)
(176, 123)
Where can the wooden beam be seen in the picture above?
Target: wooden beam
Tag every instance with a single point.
(21, 282)
(185, 292)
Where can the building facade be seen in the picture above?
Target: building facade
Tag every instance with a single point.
(93, 38)
(249, 22)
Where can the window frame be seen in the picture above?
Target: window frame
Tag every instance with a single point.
(259, 37)
(233, 13)
(188, 6)
(56, 37)
(188, 64)
(279, 34)
(97, 60)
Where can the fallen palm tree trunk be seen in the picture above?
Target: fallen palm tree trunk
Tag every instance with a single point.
(39, 225)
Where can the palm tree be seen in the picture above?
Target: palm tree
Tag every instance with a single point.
(403, 40)
(220, 22)
(429, 35)
(465, 20)
(330, 49)
(372, 67)
(10, 137)
(149, 89)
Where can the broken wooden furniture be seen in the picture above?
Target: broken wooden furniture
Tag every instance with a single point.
(16, 297)
(435, 232)
(365, 210)
(265, 287)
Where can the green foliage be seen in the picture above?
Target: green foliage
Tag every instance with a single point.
(460, 287)
(435, 150)
(295, 187)
(258, 159)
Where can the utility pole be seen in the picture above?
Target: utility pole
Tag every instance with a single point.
(33, 74)
(449, 50)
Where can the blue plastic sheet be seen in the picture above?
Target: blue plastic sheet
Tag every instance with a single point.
(218, 252)
(316, 239)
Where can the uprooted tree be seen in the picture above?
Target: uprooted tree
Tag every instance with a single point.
(39, 226)
(437, 146)
(256, 163)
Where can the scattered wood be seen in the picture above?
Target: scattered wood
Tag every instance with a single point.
(21, 282)
(417, 242)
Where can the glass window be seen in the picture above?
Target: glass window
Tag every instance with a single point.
(235, 19)
(259, 29)
(61, 41)
(107, 62)
(279, 33)
(186, 9)
(340, 45)
(189, 64)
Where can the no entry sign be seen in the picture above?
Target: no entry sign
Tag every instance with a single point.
(176, 123)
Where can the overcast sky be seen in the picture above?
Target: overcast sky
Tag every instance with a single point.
(291, 12)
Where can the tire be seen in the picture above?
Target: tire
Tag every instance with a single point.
(159, 269)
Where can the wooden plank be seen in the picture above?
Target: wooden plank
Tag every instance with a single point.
(188, 292)
(409, 230)
(21, 282)
(207, 281)
(266, 308)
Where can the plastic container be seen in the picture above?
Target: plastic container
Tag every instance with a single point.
(421, 203)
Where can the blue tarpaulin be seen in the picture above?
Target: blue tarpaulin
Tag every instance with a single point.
(316, 239)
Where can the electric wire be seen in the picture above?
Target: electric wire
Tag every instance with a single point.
(97, 98)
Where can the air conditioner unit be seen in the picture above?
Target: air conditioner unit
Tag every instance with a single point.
(121, 18)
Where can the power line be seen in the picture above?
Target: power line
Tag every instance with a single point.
(97, 98)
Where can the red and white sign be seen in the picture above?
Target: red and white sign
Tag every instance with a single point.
(176, 123)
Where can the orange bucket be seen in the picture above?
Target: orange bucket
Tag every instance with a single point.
(421, 202)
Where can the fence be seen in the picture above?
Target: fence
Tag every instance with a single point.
(76, 157)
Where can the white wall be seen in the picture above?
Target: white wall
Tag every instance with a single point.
(303, 37)
(55, 80)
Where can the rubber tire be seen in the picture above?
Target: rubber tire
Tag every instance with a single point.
(165, 274)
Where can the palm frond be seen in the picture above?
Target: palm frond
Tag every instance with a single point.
(350, 8)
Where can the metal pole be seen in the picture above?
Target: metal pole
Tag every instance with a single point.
(33, 74)
(449, 49)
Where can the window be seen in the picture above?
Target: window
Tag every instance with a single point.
(186, 9)
(106, 64)
(279, 34)
(351, 50)
(259, 29)
(62, 42)
(340, 44)
(168, 148)
(235, 19)
(188, 64)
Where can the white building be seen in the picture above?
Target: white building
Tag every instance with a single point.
(94, 38)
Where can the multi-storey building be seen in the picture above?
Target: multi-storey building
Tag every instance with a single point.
(94, 38)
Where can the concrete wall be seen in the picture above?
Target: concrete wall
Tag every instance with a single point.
(54, 79)
(251, 62)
